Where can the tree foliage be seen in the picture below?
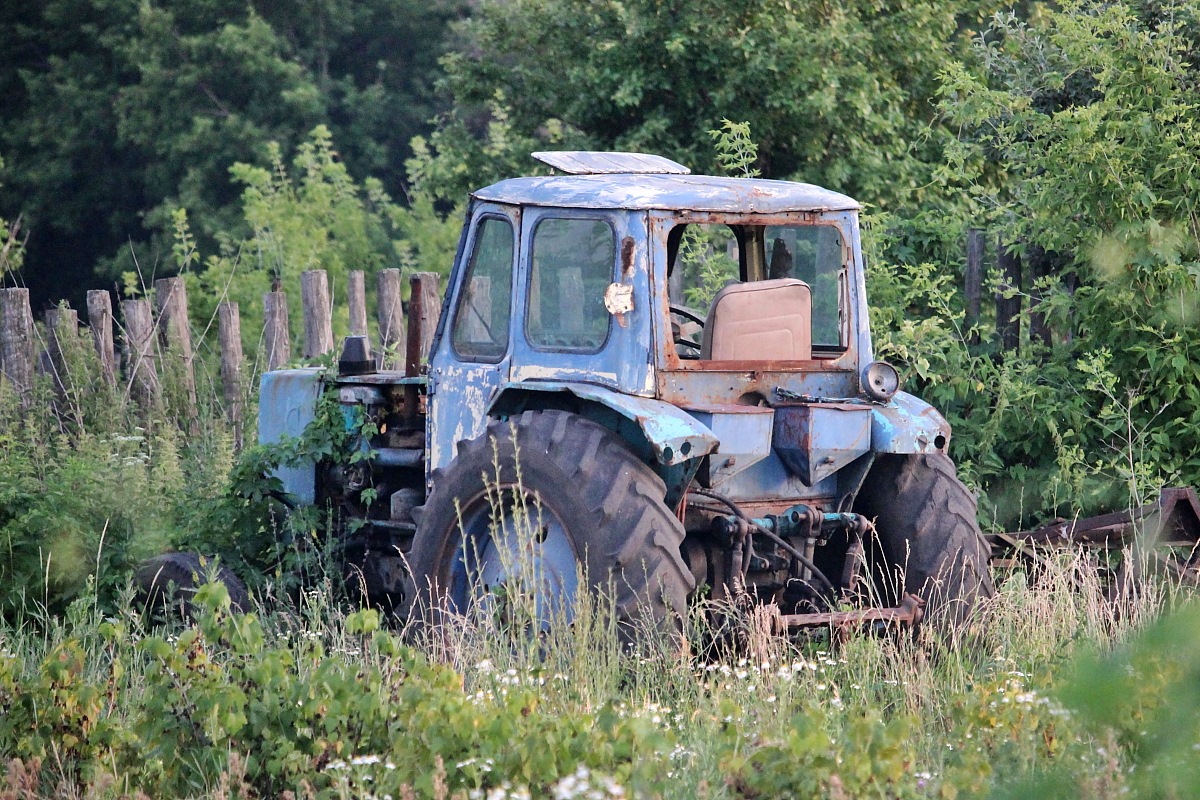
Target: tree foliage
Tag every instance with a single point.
(838, 94)
(12, 246)
(1078, 149)
(311, 215)
(118, 111)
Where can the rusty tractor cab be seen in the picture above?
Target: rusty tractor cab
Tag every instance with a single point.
(669, 380)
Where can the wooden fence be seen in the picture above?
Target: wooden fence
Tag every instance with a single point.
(148, 334)
(152, 336)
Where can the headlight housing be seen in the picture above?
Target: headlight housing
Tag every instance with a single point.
(880, 381)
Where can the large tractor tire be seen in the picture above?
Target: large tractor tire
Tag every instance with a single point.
(928, 539)
(537, 501)
(177, 577)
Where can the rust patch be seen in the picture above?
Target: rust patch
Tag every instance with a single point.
(627, 248)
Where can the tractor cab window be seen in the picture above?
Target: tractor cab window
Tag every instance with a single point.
(707, 259)
(485, 301)
(813, 254)
(757, 292)
(573, 263)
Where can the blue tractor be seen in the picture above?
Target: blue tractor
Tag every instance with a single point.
(668, 378)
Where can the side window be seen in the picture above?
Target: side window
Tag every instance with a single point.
(485, 303)
(573, 263)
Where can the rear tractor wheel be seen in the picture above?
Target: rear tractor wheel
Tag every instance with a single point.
(928, 539)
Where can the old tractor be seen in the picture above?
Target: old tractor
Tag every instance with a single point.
(675, 372)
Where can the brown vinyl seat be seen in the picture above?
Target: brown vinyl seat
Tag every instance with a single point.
(760, 321)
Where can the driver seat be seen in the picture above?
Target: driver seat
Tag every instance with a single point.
(760, 321)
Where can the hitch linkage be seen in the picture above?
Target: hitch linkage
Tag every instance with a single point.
(799, 520)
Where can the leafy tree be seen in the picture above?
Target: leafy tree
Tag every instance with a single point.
(837, 94)
(311, 216)
(1078, 146)
(118, 111)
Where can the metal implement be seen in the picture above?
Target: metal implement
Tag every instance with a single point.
(906, 615)
(1160, 537)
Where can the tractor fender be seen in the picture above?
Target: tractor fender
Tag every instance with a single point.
(673, 435)
(907, 424)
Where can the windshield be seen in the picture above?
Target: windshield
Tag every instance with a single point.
(705, 259)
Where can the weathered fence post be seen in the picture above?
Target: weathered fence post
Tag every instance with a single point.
(391, 319)
(424, 308)
(277, 339)
(16, 340)
(973, 280)
(139, 351)
(170, 296)
(229, 334)
(318, 321)
(62, 326)
(356, 292)
(1008, 309)
(100, 321)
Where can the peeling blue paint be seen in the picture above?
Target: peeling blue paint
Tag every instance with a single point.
(645, 192)
(287, 402)
(908, 424)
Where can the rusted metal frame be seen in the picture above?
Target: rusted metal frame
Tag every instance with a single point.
(760, 377)
(758, 366)
(1177, 508)
(907, 614)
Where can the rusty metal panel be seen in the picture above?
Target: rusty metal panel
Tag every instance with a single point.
(688, 388)
(815, 441)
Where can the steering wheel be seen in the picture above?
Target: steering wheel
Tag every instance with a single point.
(691, 316)
(688, 314)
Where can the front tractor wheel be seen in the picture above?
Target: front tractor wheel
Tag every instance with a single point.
(526, 508)
(928, 539)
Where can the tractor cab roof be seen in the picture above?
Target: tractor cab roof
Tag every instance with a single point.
(608, 185)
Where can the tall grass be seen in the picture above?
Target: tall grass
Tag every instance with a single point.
(878, 716)
(307, 696)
